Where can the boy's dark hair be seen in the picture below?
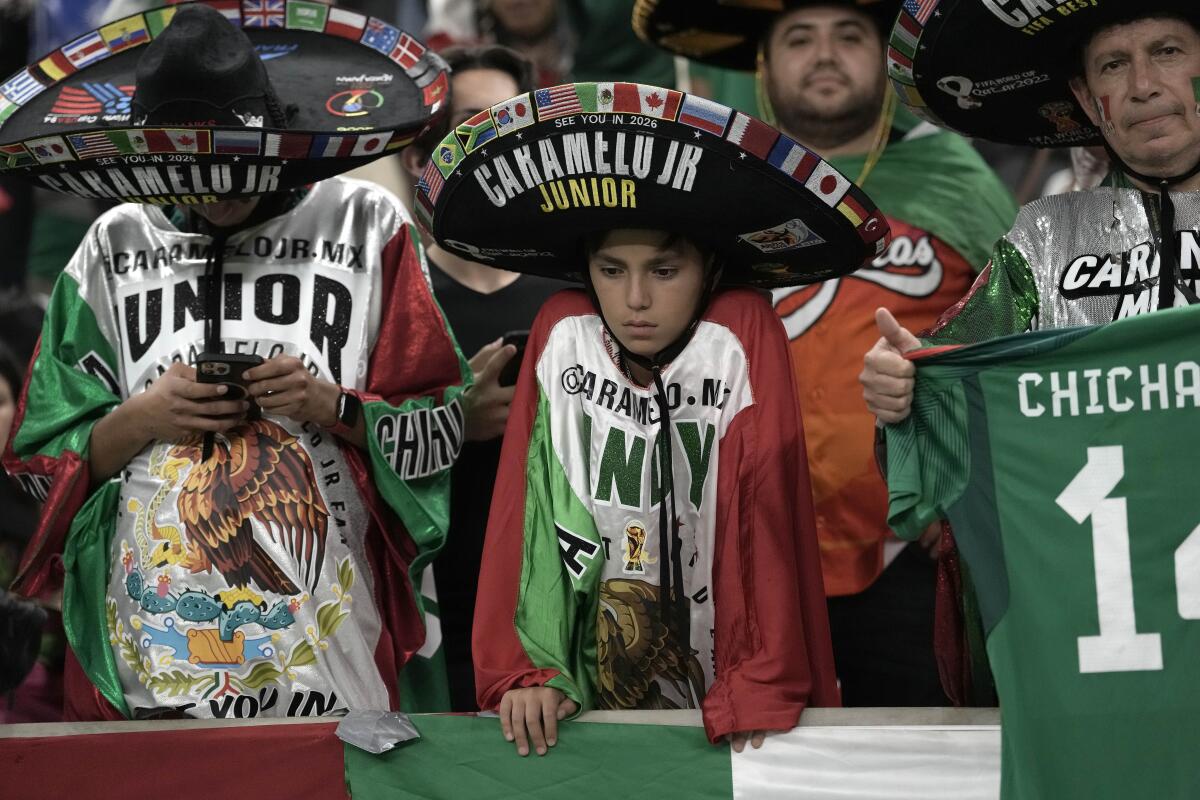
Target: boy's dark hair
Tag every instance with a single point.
(1078, 52)
(464, 59)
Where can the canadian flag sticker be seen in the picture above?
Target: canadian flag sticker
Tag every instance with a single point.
(656, 102)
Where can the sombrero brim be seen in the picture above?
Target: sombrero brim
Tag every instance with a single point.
(360, 88)
(726, 33)
(522, 184)
(1015, 88)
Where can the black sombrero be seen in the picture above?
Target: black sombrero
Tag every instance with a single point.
(996, 71)
(344, 88)
(522, 183)
(726, 33)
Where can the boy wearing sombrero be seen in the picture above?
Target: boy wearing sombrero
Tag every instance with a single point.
(820, 67)
(238, 540)
(650, 543)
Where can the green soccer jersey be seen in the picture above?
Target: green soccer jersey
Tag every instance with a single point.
(1064, 461)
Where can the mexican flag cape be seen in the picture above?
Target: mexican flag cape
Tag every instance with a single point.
(570, 592)
(281, 576)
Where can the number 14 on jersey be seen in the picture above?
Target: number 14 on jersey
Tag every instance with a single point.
(1119, 647)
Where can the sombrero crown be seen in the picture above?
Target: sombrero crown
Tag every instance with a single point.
(726, 33)
(292, 92)
(520, 185)
(1016, 89)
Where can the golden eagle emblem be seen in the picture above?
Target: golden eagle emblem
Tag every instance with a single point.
(258, 471)
(635, 651)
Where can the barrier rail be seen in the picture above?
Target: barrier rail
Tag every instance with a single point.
(835, 753)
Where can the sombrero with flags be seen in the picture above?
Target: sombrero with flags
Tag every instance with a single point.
(318, 90)
(522, 184)
(1000, 70)
(726, 33)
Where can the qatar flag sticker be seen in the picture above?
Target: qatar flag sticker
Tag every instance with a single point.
(828, 184)
(513, 115)
(50, 150)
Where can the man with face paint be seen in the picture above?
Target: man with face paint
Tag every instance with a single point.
(1123, 249)
(1056, 513)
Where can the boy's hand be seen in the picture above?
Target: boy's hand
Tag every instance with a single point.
(534, 713)
(737, 739)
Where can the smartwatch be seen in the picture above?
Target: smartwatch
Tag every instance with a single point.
(349, 408)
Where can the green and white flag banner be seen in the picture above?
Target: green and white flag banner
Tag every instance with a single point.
(836, 754)
(466, 757)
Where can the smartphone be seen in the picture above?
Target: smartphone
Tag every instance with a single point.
(508, 375)
(229, 369)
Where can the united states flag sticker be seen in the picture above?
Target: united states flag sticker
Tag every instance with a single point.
(752, 135)
(557, 101)
(828, 184)
(93, 145)
(432, 181)
(346, 24)
(86, 50)
(369, 144)
(705, 114)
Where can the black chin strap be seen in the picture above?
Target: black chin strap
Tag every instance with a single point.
(673, 610)
(214, 279)
(1168, 245)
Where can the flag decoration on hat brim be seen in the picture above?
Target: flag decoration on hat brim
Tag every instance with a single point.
(91, 96)
(752, 135)
(432, 181)
(345, 23)
(512, 115)
(793, 159)
(921, 10)
(240, 142)
(229, 9)
(263, 13)
(306, 15)
(22, 87)
(900, 66)
(380, 35)
(704, 114)
(557, 101)
(15, 155)
(769, 181)
(56, 66)
(477, 131)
